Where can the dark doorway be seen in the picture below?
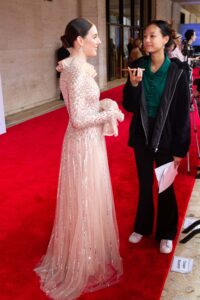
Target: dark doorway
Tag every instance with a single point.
(125, 20)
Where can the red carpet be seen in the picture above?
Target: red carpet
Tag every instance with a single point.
(29, 164)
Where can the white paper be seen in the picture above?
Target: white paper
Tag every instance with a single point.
(165, 175)
(182, 264)
(189, 221)
(2, 117)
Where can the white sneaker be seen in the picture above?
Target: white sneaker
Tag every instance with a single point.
(135, 238)
(166, 246)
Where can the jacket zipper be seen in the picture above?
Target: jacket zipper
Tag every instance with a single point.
(145, 133)
(163, 123)
(144, 129)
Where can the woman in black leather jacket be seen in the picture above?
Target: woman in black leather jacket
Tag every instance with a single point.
(157, 93)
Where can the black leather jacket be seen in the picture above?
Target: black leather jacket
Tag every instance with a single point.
(171, 130)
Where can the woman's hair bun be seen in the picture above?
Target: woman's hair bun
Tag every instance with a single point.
(65, 41)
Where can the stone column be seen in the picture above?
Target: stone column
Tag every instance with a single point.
(95, 10)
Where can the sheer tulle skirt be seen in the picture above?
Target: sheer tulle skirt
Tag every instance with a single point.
(83, 252)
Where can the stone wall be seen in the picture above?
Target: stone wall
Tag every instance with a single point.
(30, 33)
(96, 12)
(176, 10)
(164, 10)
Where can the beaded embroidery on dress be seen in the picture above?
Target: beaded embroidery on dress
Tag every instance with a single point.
(83, 252)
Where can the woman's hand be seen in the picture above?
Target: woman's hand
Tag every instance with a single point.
(177, 161)
(120, 116)
(111, 107)
(135, 76)
(117, 115)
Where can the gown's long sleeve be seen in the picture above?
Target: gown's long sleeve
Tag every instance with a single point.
(80, 113)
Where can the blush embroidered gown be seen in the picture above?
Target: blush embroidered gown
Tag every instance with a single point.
(83, 252)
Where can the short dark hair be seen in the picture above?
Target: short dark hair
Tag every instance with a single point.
(165, 29)
(76, 27)
(188, 34)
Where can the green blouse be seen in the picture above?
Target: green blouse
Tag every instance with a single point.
(154, 84)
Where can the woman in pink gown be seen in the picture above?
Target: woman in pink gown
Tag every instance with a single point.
(83, 252)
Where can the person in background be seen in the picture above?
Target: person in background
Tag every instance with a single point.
(175, 50)
(136, 51)
(130, 45)
(157, 93)
(113, 58)
(83, 252)
(61, 54)
(187, 48)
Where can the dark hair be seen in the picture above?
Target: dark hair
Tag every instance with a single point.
(63, 40)
(165, 29)
(188, 34)
(76, 27)
(137, 43)
(170, 47)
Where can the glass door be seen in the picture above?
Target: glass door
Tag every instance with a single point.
(125, 20)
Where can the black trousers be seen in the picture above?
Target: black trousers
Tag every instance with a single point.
(167, 211)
